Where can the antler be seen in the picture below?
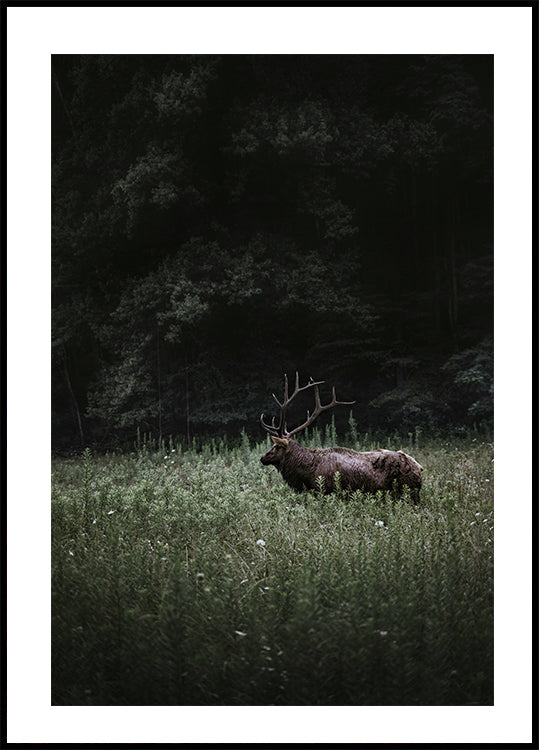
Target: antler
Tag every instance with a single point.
(280, 430)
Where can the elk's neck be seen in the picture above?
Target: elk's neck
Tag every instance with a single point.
(299, 466)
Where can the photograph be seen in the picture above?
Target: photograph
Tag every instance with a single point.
(272, 379)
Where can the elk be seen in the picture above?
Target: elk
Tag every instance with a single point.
(300, 467)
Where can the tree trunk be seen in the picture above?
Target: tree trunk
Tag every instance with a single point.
(74, 400)
(451, 270)
(64, 105)
(435, 256)
(187, 415)
(159, 409)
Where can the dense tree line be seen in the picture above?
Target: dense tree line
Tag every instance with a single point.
(218, 221)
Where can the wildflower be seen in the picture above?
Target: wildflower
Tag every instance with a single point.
(239, 632)
(379, 523)
(261, 542)
(111, 512)
(383, 633)
(71, 553)
(166, 458)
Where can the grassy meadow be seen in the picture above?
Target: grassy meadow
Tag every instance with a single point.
(197, 577)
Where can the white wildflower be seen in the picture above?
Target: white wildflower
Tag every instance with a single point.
(111, 512)
(261, 542)
(379, 523)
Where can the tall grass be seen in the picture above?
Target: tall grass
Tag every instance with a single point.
(200, 578)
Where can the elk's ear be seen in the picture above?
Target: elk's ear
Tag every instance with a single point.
(280, 441)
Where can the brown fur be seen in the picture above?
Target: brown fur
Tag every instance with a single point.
(368, 471)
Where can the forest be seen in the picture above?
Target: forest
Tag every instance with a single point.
(218, 221)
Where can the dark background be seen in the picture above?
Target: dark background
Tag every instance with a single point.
(219, 221)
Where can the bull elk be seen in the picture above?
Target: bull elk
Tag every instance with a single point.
(300, 467)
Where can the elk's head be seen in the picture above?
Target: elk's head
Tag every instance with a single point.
(279, 433)
(276, 453)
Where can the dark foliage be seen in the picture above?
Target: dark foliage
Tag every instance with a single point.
(218, 221)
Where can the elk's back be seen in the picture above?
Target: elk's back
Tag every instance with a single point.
(369, 470)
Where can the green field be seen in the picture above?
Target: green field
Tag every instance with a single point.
(199, 578)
